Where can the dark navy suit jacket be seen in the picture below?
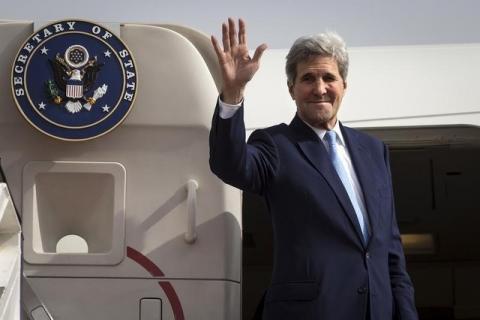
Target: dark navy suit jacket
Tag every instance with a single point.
(322, 270)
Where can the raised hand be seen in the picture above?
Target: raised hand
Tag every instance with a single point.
(237, 66)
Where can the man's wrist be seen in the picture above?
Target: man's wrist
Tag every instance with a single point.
(226, 110)
(232, 97)
(229, 105)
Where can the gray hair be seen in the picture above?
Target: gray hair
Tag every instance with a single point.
(328, 44)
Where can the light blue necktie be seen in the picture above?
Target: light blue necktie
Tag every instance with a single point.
(331, 138)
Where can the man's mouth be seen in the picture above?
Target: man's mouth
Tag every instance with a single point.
(320, 101)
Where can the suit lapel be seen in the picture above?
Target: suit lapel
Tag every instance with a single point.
(316, 153)
(365, 170)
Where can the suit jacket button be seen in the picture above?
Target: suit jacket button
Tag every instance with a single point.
(362, 290)
(367, 255)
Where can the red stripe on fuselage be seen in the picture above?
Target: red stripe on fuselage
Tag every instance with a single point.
(173, 299)
(155, 271)
(146, 263)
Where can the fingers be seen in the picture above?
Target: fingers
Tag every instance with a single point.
(217, 48)
(242, 35)
(232, 33)
(225, 37)
(229, 37)
(259, 52)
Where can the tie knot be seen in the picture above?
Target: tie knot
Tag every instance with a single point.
(331, 137)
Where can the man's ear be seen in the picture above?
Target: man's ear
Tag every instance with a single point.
(344, 84)
(290, 89)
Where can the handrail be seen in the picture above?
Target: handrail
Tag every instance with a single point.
(10, 257)
(191, 234)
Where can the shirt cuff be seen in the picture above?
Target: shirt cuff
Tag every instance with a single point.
(228, 110)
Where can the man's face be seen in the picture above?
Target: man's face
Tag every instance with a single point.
(318, 90)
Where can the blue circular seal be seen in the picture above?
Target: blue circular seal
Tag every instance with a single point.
(74, 80)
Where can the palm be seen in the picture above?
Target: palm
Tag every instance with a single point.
(237, 66)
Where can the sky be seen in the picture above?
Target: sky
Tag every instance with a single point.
(279, 23)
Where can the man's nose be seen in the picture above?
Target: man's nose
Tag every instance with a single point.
(320, 87)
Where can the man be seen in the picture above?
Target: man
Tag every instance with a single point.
(338, 254)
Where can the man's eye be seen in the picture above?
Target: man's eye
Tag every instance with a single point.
(329, 78)
(308, 78)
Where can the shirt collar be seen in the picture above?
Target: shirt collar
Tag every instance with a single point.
(321, 132)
